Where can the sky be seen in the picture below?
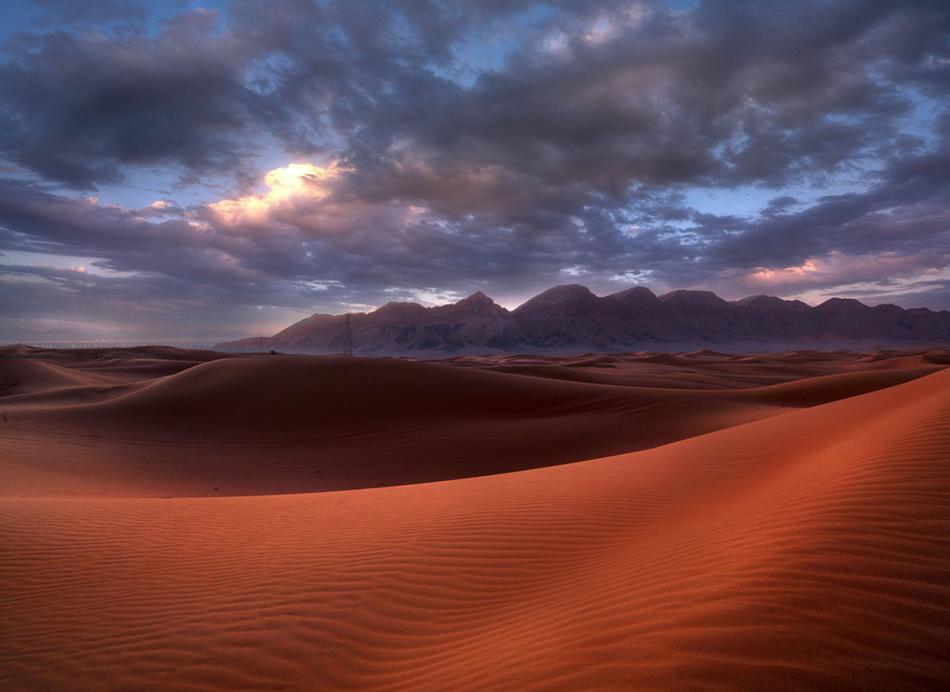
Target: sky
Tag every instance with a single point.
(176, 170)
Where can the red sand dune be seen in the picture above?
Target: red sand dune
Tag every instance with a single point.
(26, 375)
(255, 425)
(804, 548)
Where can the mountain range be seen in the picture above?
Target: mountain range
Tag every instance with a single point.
(572, 319)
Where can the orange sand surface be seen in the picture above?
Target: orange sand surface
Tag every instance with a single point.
(785, 522)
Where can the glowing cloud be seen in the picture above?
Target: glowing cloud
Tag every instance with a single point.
(295, 182)
(786, 274)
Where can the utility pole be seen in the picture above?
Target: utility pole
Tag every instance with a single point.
(348, 344)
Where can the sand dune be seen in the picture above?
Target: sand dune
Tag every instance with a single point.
(702, 369)
(26, 375)
(252, 425)
(806, 550)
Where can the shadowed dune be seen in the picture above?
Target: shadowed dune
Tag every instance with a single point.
(807, 550)
(136, 369)
(701, 369)
(26, 375)
(264, 424)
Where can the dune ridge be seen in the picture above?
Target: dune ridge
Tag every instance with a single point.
(793, 552)
(252, 425)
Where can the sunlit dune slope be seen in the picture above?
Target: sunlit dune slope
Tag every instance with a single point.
(808, 550)
(294, 424)
(26, 375)
(136, 369)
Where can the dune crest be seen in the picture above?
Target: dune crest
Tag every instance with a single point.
(159, 424)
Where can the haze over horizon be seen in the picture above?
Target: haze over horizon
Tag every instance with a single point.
(209, 170)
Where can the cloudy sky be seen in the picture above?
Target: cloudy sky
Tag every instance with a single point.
(174, 170)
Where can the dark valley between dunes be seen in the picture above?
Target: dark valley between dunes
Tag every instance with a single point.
(571, 319)
(156, 421)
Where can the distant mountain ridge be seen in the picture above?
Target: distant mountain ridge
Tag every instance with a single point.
(571, 319)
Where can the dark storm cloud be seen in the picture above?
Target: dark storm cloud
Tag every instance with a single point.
(734, 92)
(909, 210)
(80, 108)
(501, 145)
(89, 11)
(739, 93)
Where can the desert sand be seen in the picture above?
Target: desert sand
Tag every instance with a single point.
(184, 520)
